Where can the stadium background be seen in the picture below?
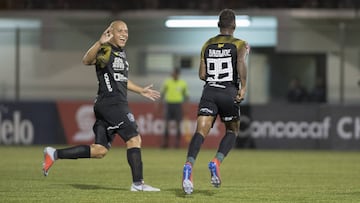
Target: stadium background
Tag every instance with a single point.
(46, 93)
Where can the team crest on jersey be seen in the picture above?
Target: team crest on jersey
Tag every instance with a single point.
(118, 64)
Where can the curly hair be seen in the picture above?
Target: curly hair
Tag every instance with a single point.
(227, 19)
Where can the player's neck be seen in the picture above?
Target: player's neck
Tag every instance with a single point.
(226, 32)
(115, 45)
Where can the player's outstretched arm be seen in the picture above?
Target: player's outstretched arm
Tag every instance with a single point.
(147, 91)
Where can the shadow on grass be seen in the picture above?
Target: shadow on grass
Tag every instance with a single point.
(94, 187)
(180, 193)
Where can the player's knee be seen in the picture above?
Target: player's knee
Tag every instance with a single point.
(134, 142)
(98, 151)
(233, 127)
(102, 153)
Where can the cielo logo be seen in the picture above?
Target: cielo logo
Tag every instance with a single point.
(16, 130)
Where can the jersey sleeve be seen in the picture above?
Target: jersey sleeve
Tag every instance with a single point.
(247, 46)
(202, 53)
(103, 56)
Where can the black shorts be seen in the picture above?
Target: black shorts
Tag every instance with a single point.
(219, 101)
(112, 119)
(173, 112)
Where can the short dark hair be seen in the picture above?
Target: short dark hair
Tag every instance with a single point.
(227, 19)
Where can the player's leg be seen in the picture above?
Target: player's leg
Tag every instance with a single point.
(81, 151)
(207, 112)
(135, 162)
(228, 141)
(204, 124)
(165, 143)
(178, 119)
(134, 159)
(178, 133)
(168, 117)
(230, 114)
(226, 144)
(97, 150)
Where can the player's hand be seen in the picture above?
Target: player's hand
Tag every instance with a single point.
(106, 36)
(150, 93)
(240, 96)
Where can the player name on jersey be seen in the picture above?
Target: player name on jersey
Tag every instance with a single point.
(219, 53)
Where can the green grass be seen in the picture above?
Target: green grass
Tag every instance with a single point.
(247, 176)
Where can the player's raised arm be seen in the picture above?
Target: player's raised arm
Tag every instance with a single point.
(90, 56)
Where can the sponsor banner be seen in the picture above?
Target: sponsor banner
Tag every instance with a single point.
(262, 127)
(26, 123)
(301, 127)
(78, 118)
(345, 126)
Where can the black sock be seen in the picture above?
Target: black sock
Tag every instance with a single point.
(81, 151)
(227, 143)
(194, 147)
(135, 163)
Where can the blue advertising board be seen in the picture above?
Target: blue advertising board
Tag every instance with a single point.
(27, 123)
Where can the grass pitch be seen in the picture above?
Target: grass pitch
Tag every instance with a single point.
(247, 176)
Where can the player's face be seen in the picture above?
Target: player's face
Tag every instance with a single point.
(120, 32)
